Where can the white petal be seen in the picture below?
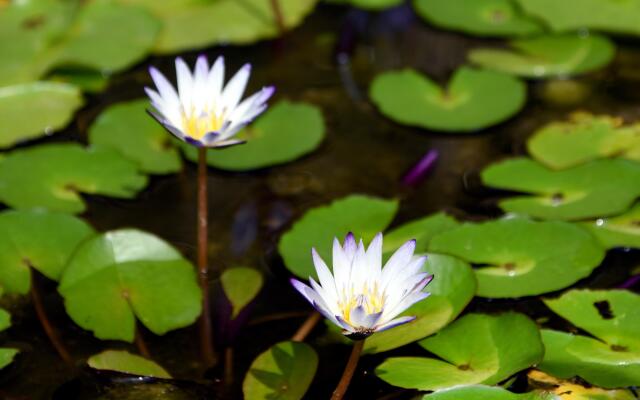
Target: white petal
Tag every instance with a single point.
(185, 84)
(166, 90)
(341, 267)
(216, 80)
(350, 246)
(397, 262)
(394, 323)
(374, 259)
(359, 270)
(326, 279)
(344, 324)
(407, 302)
(201, 75)
(234, 90)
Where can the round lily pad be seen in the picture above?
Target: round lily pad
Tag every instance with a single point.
(126, 128)
(36, 239)
(553, 55)
(58, 173)
(478, 17)
(604, 15)
(555, 388)
(620, 231)
(475, 349)
(283, 372)
(125, 362)
(583, 138)
(596, 189)
(6, 354)
(120, 276)
(469, 102)
(610, 360)
(241, 285)
(32, 110)
(364, 216)
(422, 230)
(482, 392)
(287, 131)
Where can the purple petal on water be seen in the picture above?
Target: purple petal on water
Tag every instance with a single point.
(418, 171)
(631, 282)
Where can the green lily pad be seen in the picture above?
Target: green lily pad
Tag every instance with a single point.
(517, 256)
(583, 138)
(36, 239)
(35, 109)
(478, 17)
(452, 288)
(6, 355)
(364, 216)
(558, 389)
(287, 131)
(481, 392)
(283, 372)
(241, 285)
(596, 189)
(476, 349)
(122, 361)
(85, 79)
(604, 15)
(610, 360)
(553, 55)
(126, 128)
(58, 173)
(619, 231)
(119, 276)
(373, 5)
(422, 230)
(468, 103)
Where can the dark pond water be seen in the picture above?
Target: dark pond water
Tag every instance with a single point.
(363, 153)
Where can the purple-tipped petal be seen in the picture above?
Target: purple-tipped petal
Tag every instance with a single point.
(194, 142)
(394, 323)
(227, 143)
(344, 324)
(350, 246)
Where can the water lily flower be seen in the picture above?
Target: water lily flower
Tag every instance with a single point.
(360, 296)
(204, 112)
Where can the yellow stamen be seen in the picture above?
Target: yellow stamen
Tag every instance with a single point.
(370, 298)
(197, 125)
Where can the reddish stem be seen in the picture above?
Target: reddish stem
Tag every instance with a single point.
(349, 370)
(141, 344)
(306, 327)
(206, 333)
(277, 13)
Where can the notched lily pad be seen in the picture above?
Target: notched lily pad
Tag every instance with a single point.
(592, 190)
(241, 285)
(127, 128)
(422, 230)
(474, 349)
(610, 360)
(364, 216)
(120, 276)
(554, 55)
(125, 362)
(32, 110)
(517, 256)
(620, 231)
(474, 99)
(58, 173)
(284, 372)
(478, 17)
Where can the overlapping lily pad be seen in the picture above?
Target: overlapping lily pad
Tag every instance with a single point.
(544, 56)
(284, 372)
(475, 349)
(287, 131)
(583, 138)
(128, 129)
(592, 190)
(557, 389)
(517, 256)
(374, 5)
(241, 285)
(120, 276)
(482, 392)
(32, 110)
(125, 362)
(58, 173)
(36, 239)
(469, 102)
(364, 216)
(604, 15)
(619, 231)
(6, 354)
(610, 360)
(478, 17)
(422, 230)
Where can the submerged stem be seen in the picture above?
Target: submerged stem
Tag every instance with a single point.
(306, 327)
(349, 370)
(206, 333)
(141, 344)
(277, 12)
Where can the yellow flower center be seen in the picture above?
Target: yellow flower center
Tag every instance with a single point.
(197, 125)
(368, 297)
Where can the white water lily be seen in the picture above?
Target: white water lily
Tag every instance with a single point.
(203, 111)
(360, 296)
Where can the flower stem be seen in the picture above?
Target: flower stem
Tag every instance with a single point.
(206, 333)
(349, 370)
(277, 12)
(306, 327)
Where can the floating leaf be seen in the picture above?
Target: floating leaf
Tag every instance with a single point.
(374, 5)
(517, 256)
(583, 138)
(473, 100)
(481, 392)
(36, 239)
(122, 361)
(476, 349)
(119, 276)
(127, 128)
(553, 55)
(559, 389)
(6, 355)
(57, 173)
(283, 372)
(36, 109)
(241, 285)
(599, 188)
(85, 79)
(362, 215)
(422, 230)
(452, 288)
(619, 231)
(287, 131)
(478, 17)
(613, 318)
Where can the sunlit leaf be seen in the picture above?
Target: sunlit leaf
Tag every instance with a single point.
(241, 285)
(481, 392)
(422, 230)
(620, 231)
(558, 389)
(122, 361)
